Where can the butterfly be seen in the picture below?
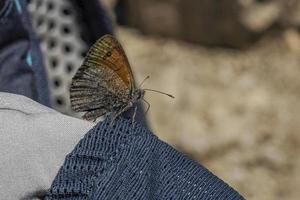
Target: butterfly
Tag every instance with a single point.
(104, 83)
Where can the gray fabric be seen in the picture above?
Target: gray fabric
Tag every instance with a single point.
(34, 141)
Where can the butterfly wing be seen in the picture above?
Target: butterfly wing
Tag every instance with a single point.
(104, 82)
(108, 50)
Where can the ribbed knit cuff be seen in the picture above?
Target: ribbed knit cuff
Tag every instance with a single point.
(129, 162)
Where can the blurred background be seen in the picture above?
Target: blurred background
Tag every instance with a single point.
(234, 69)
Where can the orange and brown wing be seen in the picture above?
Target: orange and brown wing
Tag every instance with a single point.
(108, 52)
(104, 82)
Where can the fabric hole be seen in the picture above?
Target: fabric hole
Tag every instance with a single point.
(59, 101)
(66, 11)
(66, 29)
(51, 43)
(69, 68)
(51, 25)
(50, 6)
(53, 62)
(56, 82)
(40, 21)
(67, 48)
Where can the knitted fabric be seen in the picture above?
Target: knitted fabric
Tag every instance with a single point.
(129, 162)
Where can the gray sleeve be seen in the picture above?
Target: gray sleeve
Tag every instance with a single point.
(34, 141)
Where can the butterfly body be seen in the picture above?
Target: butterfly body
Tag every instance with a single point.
(104, 84)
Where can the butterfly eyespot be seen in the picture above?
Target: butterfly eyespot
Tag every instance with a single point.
(108, 54)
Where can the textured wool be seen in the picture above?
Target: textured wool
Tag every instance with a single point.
(129, 162)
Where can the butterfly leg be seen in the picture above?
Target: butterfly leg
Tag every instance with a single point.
(115, 115)
(148, 106)
(134, 114)
(112, 120)
(94, 114)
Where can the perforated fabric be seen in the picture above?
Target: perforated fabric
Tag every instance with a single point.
(126, 162)
(57, 25)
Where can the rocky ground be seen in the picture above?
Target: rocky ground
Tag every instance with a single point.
(235, 112)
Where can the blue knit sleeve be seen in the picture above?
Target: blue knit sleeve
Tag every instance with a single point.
(126, 162)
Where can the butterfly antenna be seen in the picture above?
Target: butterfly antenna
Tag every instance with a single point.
(148, 104)
(169, 95)
(147, 77)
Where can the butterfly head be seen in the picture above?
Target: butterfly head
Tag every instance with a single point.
(138, 94)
